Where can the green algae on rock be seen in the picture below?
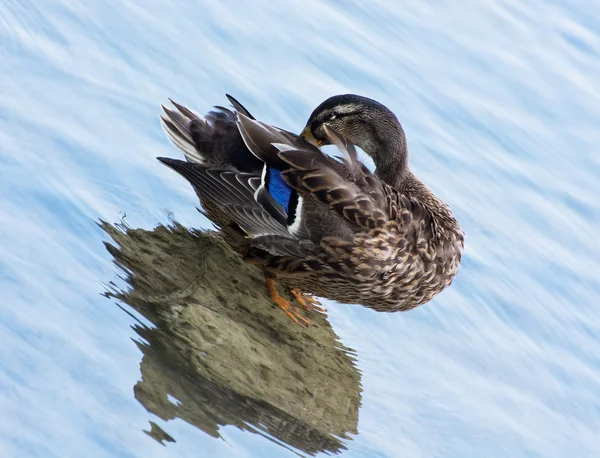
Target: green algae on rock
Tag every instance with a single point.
(223, 350)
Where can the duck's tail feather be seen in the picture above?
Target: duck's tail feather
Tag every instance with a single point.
(239, 107)
(212, 140)
(176, 125)
(219, 141)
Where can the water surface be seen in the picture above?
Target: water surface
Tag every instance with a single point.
(500, 102)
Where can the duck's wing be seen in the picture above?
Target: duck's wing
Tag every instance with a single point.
(232, 192)
(227, 176)
(345, 186)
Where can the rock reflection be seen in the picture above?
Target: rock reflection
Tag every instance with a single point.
(221, 353)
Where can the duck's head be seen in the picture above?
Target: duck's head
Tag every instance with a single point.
(366, 123)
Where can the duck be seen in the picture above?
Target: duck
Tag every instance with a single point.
(322, 225)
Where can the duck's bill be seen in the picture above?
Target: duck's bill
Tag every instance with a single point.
(310, 138)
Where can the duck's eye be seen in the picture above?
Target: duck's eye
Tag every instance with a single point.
(331, 117)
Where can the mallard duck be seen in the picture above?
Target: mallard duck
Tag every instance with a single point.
(321, 225)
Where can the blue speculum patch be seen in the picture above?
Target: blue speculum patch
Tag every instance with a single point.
(280, 191)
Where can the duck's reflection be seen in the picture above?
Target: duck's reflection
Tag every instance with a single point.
(220, 353)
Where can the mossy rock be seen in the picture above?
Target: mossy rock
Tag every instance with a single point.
(223, 350)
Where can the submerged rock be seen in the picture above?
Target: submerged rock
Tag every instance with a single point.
(221, 353)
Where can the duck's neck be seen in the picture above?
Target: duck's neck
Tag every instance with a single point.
(391, 159)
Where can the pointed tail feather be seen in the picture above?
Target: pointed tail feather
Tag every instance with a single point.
(176, 126)
(212, 140)
(239, 107)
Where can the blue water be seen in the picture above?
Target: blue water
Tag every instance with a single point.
(501, 105)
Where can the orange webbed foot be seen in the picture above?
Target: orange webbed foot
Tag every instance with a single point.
(289, 309)
(309, 303)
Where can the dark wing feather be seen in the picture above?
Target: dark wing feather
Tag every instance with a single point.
(279, 245)
(265, 141)
(231, 193)
(268, 202)
(237, 179)
(259, 139)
